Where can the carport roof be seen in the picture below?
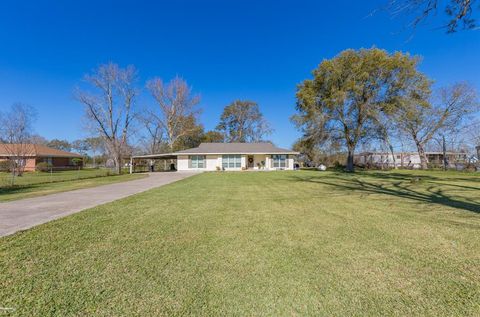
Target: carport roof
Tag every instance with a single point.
(166, 156)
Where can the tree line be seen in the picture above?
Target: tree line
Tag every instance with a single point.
(119, 127)
(360, 98)
(369, 96)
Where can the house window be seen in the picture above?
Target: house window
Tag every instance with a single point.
(279, 161)
(231, 161)
(197, 161)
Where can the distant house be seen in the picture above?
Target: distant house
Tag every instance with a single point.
(409, 159)
(30, 155)
(229, 157)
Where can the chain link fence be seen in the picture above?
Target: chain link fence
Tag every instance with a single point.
(51, 175)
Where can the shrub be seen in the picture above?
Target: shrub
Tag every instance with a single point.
(43, 167)
(470, 168)
(4, 166)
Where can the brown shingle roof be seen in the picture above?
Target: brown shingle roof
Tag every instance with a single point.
(236, 148)
(33, 150)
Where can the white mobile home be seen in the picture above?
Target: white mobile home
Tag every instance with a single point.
(408, 159)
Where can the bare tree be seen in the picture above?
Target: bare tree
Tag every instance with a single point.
(16, 131)
(38, 139)
(109, 106)
(424, 121)
(154, 138)
(459, 12)
(176, 105)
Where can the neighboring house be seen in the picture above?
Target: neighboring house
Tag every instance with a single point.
(409, 159)
(30, 155)
(227, 156)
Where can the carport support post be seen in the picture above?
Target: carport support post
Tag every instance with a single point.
(165, 165)
(131, 165)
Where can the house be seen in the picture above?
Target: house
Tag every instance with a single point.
(408, 159)
(225, 156)
(30, 155)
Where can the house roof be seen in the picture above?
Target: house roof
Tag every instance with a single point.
(33, 150)
(236, 148)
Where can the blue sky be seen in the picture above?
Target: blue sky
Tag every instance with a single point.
(256, 50)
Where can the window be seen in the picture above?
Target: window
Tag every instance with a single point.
(197, 161)
(279, 161)
(231, 161)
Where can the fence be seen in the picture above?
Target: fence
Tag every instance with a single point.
(51, 175)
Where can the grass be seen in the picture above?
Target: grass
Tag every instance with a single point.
(267, 243)
(34, 184)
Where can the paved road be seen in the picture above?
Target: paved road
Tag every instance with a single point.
(26, 213)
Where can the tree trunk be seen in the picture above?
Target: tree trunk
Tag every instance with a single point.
(393, 156)
(423, 156)
(444, 148)
(350, 166)
(118, 161)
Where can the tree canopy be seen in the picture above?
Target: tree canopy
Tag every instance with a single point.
(344, 99)
(58, 144)
(242, 121)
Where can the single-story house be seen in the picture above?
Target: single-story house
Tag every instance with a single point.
(226, 156)
(408, 159)
(30, 155)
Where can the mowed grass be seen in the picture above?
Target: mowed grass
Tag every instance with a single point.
(259, 244)
(32, 184)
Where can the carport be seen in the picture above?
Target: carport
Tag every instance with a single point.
(164, 162)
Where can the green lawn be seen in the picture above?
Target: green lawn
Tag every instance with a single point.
(33, 184)
(266, 243)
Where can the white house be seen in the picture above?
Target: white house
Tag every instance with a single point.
(227, 157)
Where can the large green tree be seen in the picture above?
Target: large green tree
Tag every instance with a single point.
(213, 137)
(347, 93)
(242, 121)
(58, 144)
(192, 136)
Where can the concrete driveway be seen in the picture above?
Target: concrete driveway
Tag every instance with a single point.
(26, 213)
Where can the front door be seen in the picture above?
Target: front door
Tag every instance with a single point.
(250, 161)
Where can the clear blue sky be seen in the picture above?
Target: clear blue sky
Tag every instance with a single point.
(257, 50)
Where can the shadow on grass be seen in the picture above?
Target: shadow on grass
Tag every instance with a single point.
(17, 188)
(423, 176)
(398, 185)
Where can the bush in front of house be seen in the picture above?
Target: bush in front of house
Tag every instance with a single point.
(42, 167)
(4, 166)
